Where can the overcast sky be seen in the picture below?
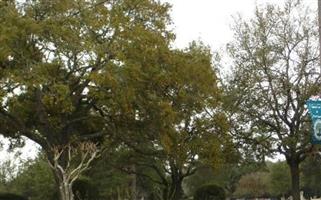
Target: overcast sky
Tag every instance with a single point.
(210, 20)
(205, 20)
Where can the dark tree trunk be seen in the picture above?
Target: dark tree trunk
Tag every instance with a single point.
(165, 194)
(173, 191)
(179, 193)
(134, 184)
(295, 179)
(176, 191)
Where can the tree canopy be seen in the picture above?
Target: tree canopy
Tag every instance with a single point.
(275, 56)
(79, 75)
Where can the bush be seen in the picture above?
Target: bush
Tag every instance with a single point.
(9, 196)
(84, 189)
(209, 192)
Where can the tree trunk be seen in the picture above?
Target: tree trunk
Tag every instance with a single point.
(179, 194)
(66, 192)
(134, 184)
(165, 194)
(295, 179)
(65, 187)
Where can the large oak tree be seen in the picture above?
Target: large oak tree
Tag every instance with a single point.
(51, 55)
(170, 118)
(276, 69)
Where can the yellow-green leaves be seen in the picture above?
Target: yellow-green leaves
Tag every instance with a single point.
(57, 100)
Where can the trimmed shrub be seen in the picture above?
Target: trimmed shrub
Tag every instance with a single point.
(209, 192)
(9, 196)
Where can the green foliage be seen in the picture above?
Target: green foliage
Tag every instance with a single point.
(8, 171)
(170, 105)
(255, 184)
(107, 181)
(274, 73)
(209, 192)
(88, 70)
(35, 181)
(9, 196)
(311, 174)
(84, 189)
(280, 179)
(260, 92)
(203, 176)
(271, 180)
(227, 176)
(67, 68)
(65, 49)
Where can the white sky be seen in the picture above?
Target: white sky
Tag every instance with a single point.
(205, 20)
(210, 20)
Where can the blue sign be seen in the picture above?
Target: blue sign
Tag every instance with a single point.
(314, 107)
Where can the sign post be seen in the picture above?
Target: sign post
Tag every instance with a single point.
(314, 108)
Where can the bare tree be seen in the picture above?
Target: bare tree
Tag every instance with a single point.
(69, 162)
